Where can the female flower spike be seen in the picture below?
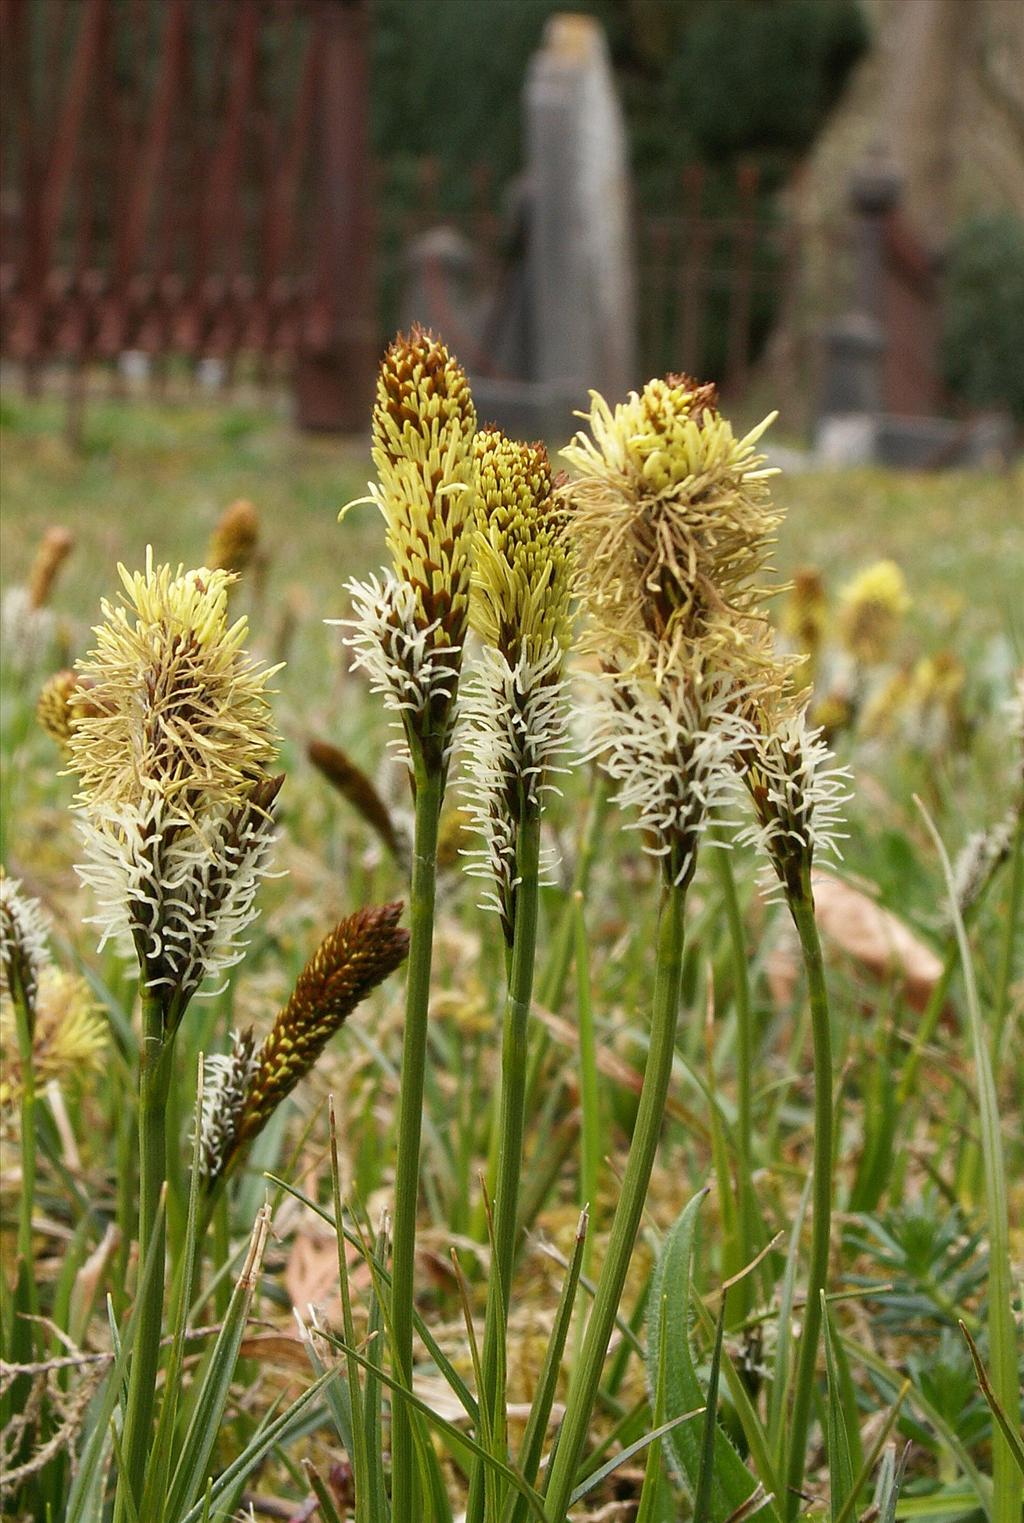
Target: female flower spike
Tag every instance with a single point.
(24, 954)
(515, 706)
(250, 1083)
(171, 752)
(797, 797)
(673, 523)
(410, 627)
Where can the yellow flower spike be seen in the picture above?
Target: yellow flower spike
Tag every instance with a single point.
(176, 710)
(54, 707)
(521, 576)
(423, 427)
(872, 607)
(673, 523)
(69, 1035)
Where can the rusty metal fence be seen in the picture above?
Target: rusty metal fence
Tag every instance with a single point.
(189, 178)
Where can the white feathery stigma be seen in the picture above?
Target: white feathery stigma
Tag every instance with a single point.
(513, 737)
(671, 748)
(227, 1078)
(798, 796)
(24, 928)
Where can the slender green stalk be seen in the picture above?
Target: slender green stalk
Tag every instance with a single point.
(154, 1071)
(650, 1116)
(512, 1115)
(26, 1202)
(429, 790)
(802, 909)
(590, 1128)
(1004, 976)
(741, 999)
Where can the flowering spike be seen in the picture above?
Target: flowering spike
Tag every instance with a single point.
(23, 942)
(176, 807)
(57, 544)
(515, 703)
(797, 796)
(358, 955)
(69, 1034)
(872, 606)
(674, 524)
(234, 542)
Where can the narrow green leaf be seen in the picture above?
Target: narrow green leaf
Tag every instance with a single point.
(702, 1496)
(597, 1476)
(837, 1438)
(1013, 1438)
(544, 1396)
(732, 1484)
(255, 1451)
(1002, 1332)
(328, 1512)
(190, 1473)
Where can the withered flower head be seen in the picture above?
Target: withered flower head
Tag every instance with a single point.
(354, 785)
(673, 523)
(410, 628)
(357, 956)
(235, 540)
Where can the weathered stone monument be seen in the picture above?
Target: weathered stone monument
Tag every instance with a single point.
(563, 318)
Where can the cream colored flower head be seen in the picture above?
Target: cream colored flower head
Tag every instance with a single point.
(673, 523)
(521, 574)
(423, 427)
(172, 753)
(871, 611)
(177, 710)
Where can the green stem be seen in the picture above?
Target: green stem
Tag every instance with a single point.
(586, 1376)
(26, 1203)
(802, 909)
(154, 1074)
(741, 999)
(1004, 976)
(512, 1114)
(429, 791)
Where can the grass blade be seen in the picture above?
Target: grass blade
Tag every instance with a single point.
(837, 1436)
(1013, 1439)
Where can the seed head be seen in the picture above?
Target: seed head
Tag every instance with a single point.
(358, 955)
(673, 524)
(872, 607)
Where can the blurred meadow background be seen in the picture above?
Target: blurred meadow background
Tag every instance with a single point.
(173, 356)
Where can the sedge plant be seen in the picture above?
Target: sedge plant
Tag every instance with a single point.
(408, 632)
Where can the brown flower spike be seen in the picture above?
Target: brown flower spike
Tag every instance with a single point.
(357, 956)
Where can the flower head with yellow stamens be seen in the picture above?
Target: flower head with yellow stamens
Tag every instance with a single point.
(872, 607)
(171, 753)
(69, 1035)
(412, 625)
(250, 1083)
(515, 701)
(674, 523)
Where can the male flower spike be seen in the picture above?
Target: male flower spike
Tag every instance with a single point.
(410, 624)
(172, 754)
(515, 706)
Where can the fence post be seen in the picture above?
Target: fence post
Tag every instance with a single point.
(335, 369)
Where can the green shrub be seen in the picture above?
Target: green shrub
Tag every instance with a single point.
(983, 337)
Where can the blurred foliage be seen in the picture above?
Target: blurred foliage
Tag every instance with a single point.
(983, 341)
(700, 79)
